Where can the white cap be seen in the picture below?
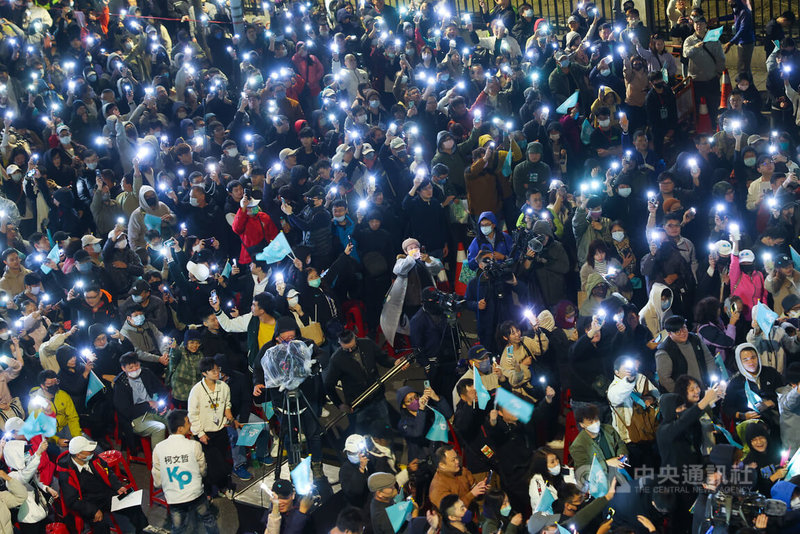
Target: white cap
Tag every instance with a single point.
(354, 444)
(14, 424)
(723, 247)
(747, 256)
(80, 444)
(199, 270)
(555, 184)
(89, 240)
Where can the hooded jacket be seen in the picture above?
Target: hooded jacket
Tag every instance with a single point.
(502, 241)
(72, 381)
(136, 224)
(25, 469)
(585, 233)
(457, 161)
(678, 445)
(12, 497)
(548, 268)
(61, 407)
(591, 304)
(749, 287)
(783, 491)
(764, 383)
(602, 92)
(652, 315)
(789, 407)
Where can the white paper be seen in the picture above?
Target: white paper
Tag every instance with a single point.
(129, 501)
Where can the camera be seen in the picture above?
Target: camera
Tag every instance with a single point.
(741, 509)
(535, 244)
(498, 270)
(439, 301)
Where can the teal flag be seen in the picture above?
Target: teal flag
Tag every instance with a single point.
(570, 102)
(664, 74)
(723, 371)
(713, 35)
(480, 389)
(55, 255)
(400, 496)
(765, 318)
(226, 271)
(507, 161)
(638, 399)
(152, 222)
(795, 257)
(249, 433)
(50, 238)
(793, 467)
(277, 249)
(39, 424)
(269, 411)
(562, 530)
(302, 478)
(398, 513)
(724, 432)
(753, 399)
(521, 409)
(94, 387)
(598, 481)
(438, 431)
(546, 502)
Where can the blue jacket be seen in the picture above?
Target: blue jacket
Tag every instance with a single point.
(743, 26)
(341, 234)
(502, 241)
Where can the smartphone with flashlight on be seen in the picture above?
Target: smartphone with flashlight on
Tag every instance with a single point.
(214, 296)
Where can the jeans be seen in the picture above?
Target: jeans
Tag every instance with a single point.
(179, 515)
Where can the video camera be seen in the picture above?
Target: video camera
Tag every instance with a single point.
(724, 509)
(445, 302)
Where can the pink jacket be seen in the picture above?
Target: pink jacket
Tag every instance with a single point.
(749, 287)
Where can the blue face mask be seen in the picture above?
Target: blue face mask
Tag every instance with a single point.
(339, 219)
(84, 267)
(505, 510)
(486, 230)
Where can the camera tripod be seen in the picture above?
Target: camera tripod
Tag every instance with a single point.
(458, 337)
(291, 428)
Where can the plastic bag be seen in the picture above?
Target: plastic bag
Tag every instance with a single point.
(287, 365)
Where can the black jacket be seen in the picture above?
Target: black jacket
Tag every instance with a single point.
(679, 438)
(86, 492)
(123, 394)
(355, 378)
(354, 483)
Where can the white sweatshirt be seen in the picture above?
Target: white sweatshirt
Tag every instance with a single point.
(207, 408)
(184, 464)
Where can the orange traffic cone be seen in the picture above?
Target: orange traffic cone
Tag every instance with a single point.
(703, 118)
(461, 257)
(725, 89)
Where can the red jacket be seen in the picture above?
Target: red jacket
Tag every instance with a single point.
(311, 70)
(252, 231)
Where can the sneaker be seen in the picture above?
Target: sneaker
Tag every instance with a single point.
(152, 529)
(324, 413)
(242, 473)
(267, 460)
(228, 493)
(316, 469)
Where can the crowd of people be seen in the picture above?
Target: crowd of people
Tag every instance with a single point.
(185, 197)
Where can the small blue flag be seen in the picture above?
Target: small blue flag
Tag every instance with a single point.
(562, 530)
(507, 162)
(723, 371)
(50, 238)
(521, 409)
(724, 432)
(152, 222)
(40, 423)
(570, 102)
(546, 501)
(249, 433)
(438, 431)
(638, 399)
(753, 399)
(269, 411)
(598, 481)
(480, 389)
(54, 255)
(226, 271)
(793, 467)
(713, 35)
(94, 387)
(795, 257)
(302, 477)
(277, 249)
(664, 74)
(400, 495)
(398, 513)
(765, 318)
(622, 471)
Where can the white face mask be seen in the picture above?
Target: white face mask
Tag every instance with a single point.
(554, 470)
(292, 302)
(65, 140)
(617, 236)
(605, 123)
(135, 374)
(794, 504)
(232, 152)
(594, 428)
(122, 243)
(5, 335)
(624, 192)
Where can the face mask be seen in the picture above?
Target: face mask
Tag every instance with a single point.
(594, 428)
(467, 517)
(67, 139)
(88, 458)
(555, 137)
(605, 72)
(402, 154)
(84, 267)
(91, 165)
(555, 471)
(5, 335)
(361, 119)
(527, 13)
(181, 115)
(52, 389)
(665, 304)
(426, 56)
(618, 236)
(194, 201)
(486, 230)
(794, 314)
(747, 269)
(138, 320)
(315, 282)
(121, 244)
(137, 298)
(35, 290)
(743, 86)
(750, 162)
(232, 152)
(624, 192)
(485, 366)
(151, 201)
(135, 374)
(292, 302)
(390, 55)
(564, 63)
(92, 77)
(605, 123)
(339, 219)
(413, 406)
(445, 77)
(784, 145)
(447, 145)
(17, 176)
(795, 503)
(505, 510)
(411, 52)
(255, 211)
(374, 104)
(595, 214)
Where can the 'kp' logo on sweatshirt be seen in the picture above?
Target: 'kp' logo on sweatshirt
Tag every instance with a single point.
(181, 477)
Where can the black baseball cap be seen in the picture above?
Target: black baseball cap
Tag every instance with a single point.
(283, 488)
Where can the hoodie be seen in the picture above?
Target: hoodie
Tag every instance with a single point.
(136, 224)
(763, 383)
(652, 315)
(24, 469)
(502, 241)
(591, 304)
(602, 92)
(789, 407)
(783, 491)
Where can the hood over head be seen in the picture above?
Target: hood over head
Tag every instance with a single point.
(749, 376)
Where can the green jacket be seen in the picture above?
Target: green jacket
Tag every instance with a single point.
(585, 233)
(457, 161)
(584, 448)
(528, 176)
(183, 372)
